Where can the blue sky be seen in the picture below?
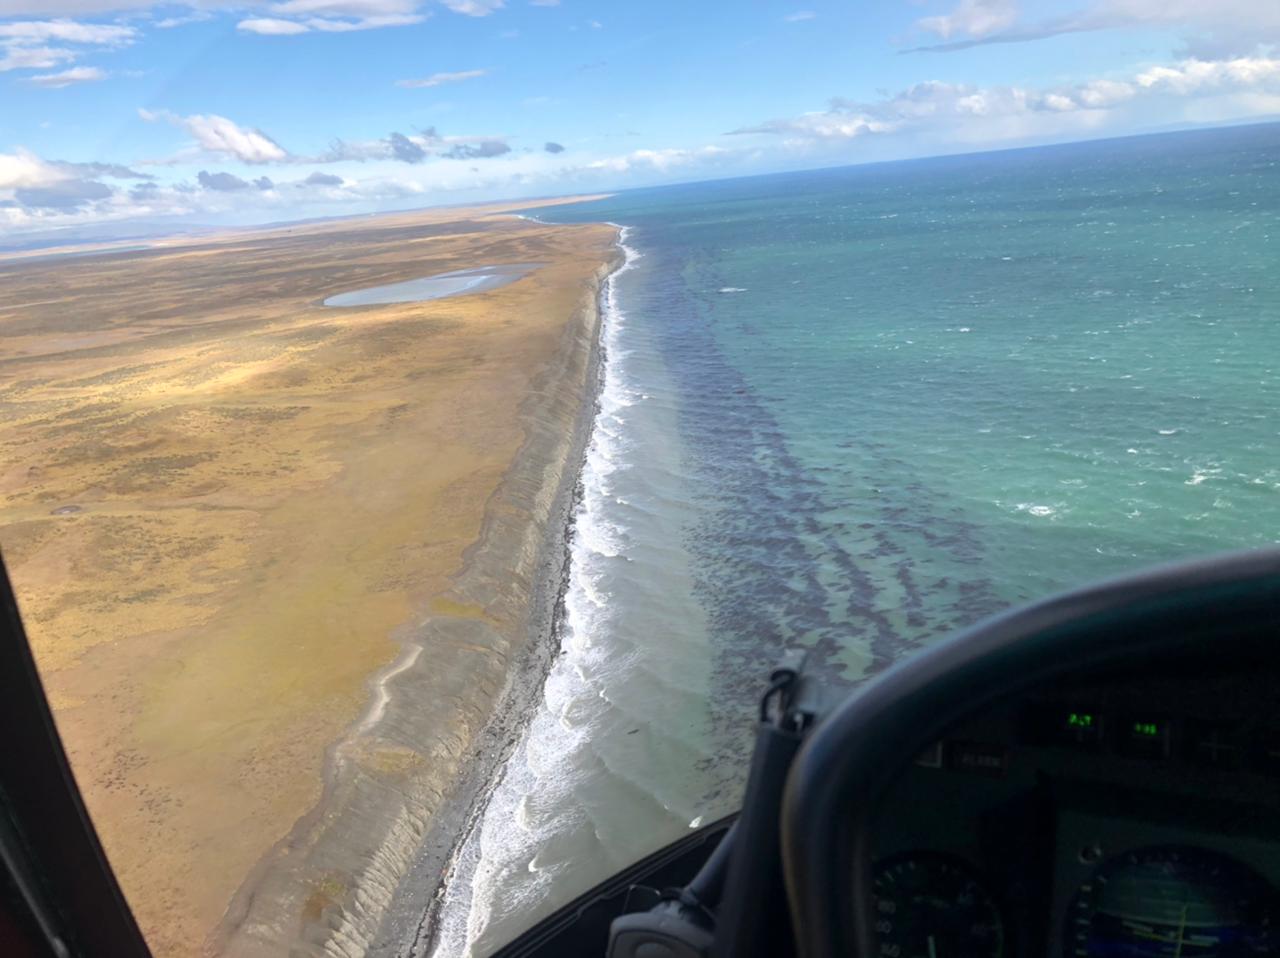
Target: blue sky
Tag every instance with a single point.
(263, 110)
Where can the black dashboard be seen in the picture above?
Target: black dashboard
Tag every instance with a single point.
(1135, 817)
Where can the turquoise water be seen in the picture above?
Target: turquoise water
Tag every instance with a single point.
(856, 409)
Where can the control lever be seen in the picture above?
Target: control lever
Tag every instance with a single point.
(736, 904)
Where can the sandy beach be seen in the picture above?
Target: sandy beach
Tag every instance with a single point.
(279, 562)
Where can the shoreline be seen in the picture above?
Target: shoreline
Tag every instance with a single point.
(461, 866)
(390, 839)
(411, 924)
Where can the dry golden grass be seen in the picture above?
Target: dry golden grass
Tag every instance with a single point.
(219, 500)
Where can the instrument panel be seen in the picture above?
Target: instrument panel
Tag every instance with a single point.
(1171, 900)
(1130, 819)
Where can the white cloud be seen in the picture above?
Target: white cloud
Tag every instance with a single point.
(24, 45)
(349, 9)
(267, 17)
(74, 8)
(65, 78)
(365, 23)
(196, 16)
(31, 187)
(412, 148)
(66, 31)
(270, 26)
(61, 195)
(274, 26)
(286, 17)
(799, 16)
(974, 18)
(1196, 77)
(1101, 94)
(217, 134)
(24, 169)
(659, 160)
(939, 105)
(1216, 28)
(333, 16)
(474, 8)
(439, 79)
(33, 58)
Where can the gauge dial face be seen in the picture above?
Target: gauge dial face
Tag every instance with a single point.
(935, 906)
(1173, 900)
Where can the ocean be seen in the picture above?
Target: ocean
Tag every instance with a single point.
(855, 409)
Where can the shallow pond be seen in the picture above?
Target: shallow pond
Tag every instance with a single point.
(439, 286)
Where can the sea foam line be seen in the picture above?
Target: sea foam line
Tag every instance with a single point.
(502, 834)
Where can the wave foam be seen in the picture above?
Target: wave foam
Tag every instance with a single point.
(523, 827)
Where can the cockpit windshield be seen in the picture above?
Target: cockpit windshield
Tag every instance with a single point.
(427, 421)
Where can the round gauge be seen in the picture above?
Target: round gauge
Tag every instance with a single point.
(930, 905)
(1172, 900)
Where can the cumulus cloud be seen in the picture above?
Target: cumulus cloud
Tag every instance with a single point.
(551, 147)
(936, 104)
(381, 185)
(405, 149)
(217, 134)
(43, 185)
(65, 78)
(24, 169)
(482, 149)
(1197, 77)
(29, 45)
(439, 79)
(229, 183)
(143, 191)
(413, 148)
(223, 182)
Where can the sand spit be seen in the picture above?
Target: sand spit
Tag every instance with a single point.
(279, 562)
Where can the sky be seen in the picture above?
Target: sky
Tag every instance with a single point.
(134, 112)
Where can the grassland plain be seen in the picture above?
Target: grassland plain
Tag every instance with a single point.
(278, 561)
